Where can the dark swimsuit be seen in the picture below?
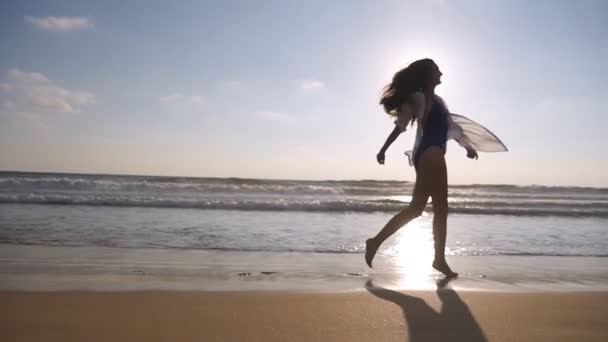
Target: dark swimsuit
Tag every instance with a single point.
(435, 130)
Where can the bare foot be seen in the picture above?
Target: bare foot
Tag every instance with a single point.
(370, 251)
(443, 283)
(442, 266)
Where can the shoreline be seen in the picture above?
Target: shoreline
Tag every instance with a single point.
(103, 269)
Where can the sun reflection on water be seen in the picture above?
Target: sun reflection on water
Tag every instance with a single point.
(401, 198)
(412, 254)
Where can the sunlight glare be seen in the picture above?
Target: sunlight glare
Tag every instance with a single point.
(401, 59)
(446, 58)
(413, 254)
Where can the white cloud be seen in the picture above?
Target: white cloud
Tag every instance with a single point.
(233, 84)
(312, 85)
(437, 2)
(172, 98)
(181, 98)
(27, 77)
(274, 116)
(235, 87)
(5, 87)
(7, 104)
(304, 150)
(196, 99)
(60, 24)
(32, 93)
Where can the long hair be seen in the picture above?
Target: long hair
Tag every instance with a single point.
(405, 82)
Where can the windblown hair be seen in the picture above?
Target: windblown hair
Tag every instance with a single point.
(405, 82)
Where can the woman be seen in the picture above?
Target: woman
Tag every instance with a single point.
(411, 97)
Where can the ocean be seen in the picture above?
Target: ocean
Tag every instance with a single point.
(256, 220)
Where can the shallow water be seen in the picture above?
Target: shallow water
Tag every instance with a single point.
(316, 232)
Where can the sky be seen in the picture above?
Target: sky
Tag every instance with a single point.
(290, 89)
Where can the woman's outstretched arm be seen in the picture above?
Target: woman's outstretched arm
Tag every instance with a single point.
(394, 134)
(471, 153)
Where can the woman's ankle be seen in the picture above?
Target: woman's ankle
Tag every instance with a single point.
(439, 259)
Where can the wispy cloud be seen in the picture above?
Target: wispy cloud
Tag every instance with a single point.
(34, 93)
(59, 24)
(309, 85)
(197, 99)
(181, 98)
(233, 84)
(437, 2)
(7, 105)
(274, 116)
(6, 87)
(236, 87)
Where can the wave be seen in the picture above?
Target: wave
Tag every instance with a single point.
(291, 195)
(11, 182)
(589, 209)
(336, 250)
(200, 185)
(533, 188)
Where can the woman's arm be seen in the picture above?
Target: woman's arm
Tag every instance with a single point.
(471, 153)
(413, 107)
(473, 136)
(391, 138)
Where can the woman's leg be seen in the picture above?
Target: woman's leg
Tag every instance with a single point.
(432, 163)
(413, 210)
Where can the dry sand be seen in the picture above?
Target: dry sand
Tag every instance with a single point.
(374, 315)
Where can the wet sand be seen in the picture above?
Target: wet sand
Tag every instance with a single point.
(372, 314)
(44, 268)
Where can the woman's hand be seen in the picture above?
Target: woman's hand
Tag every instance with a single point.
(471, 153)
(380, 158)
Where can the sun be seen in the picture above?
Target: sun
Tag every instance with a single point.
(401, 58)
(456, 79)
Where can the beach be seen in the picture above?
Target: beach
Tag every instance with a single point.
(102, 294)
(142, 258)
(310, 171)
(375, 315)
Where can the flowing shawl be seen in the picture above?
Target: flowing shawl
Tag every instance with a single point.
(468, 133)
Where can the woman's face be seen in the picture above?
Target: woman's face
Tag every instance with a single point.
(435, 75)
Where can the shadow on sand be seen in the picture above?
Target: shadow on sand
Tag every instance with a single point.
(454, 322)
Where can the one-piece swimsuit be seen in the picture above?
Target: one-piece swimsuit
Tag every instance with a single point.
(435, 130)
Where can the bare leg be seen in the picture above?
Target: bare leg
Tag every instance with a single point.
(413, 210)
(433, 164)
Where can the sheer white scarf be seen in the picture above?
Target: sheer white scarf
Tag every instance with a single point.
(468, 133)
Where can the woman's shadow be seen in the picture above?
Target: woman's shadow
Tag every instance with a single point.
(454, 322)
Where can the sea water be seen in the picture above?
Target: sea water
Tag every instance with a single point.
(262, 220)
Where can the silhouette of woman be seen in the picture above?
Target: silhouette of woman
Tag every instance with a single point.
(411, 97)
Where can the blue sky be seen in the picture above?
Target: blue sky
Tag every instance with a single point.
(290, 89)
